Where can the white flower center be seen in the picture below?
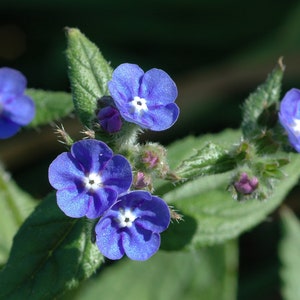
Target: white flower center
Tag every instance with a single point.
(126, 217)
(296, 126)
(92, 182)
(139, 104)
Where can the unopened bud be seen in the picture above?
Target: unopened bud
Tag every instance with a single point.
(246, 185)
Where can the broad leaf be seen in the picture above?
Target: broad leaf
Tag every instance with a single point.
(209, 272)
(50, 106)
(15, 206)
(89, 73)
(212, 216)
(51, 253)
(289, 252)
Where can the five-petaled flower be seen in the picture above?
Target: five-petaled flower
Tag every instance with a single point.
(89, 178)
(289, 116)
(146, 99)
(16, 109)
(133, 226)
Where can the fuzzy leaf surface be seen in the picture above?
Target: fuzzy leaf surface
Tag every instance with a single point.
(210, 213)
(259, 109)
(209, 272)
(89, 74)
(289, 252)
(15, 206)
(51, 253)
(50, 106)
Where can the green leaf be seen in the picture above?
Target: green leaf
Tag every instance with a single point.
(185, 149)
(212, 216)
(50, 106)
(89, 74)
(259, 109)
(51, 253)
(211, 159)
(15, 206)
(289, 252)
(209, 272)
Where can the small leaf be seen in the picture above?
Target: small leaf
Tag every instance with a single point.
(50, 106)
(213, 216)
(15, 206)
(211, 159)
(89, 74)
(51, 253)
(289, 252)
(209, 272)
(259, 110)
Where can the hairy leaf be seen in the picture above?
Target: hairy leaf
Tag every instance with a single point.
(51, 253)
(209, 272)
(50, 106)
(212, 216)
(89, 73)
(289, 252)
(259, 109)
(15, 206)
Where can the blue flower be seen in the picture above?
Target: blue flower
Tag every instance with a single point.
(110, 119)
(133, 226)
(146, 99)
(89, 178)
(16, 109)
(289, 116)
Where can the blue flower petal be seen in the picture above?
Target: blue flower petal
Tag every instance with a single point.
(100, 201)
(117, 174)
(154, 215)
(108, 240)
(158, 87)
(140, 244)
(289, 116)
(91, 154)
(12, 81)
(72, 203)
(65, 172)
(125, 82)
(8, 128)
(162, 117)
(20, 110)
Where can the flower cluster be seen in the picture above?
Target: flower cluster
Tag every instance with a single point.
(289, 116)
(16, 109)
(93, 182)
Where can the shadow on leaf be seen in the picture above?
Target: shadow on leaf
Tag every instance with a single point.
(178, 235)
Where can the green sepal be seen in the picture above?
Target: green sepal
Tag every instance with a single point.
(51, 254)
(89, 74)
